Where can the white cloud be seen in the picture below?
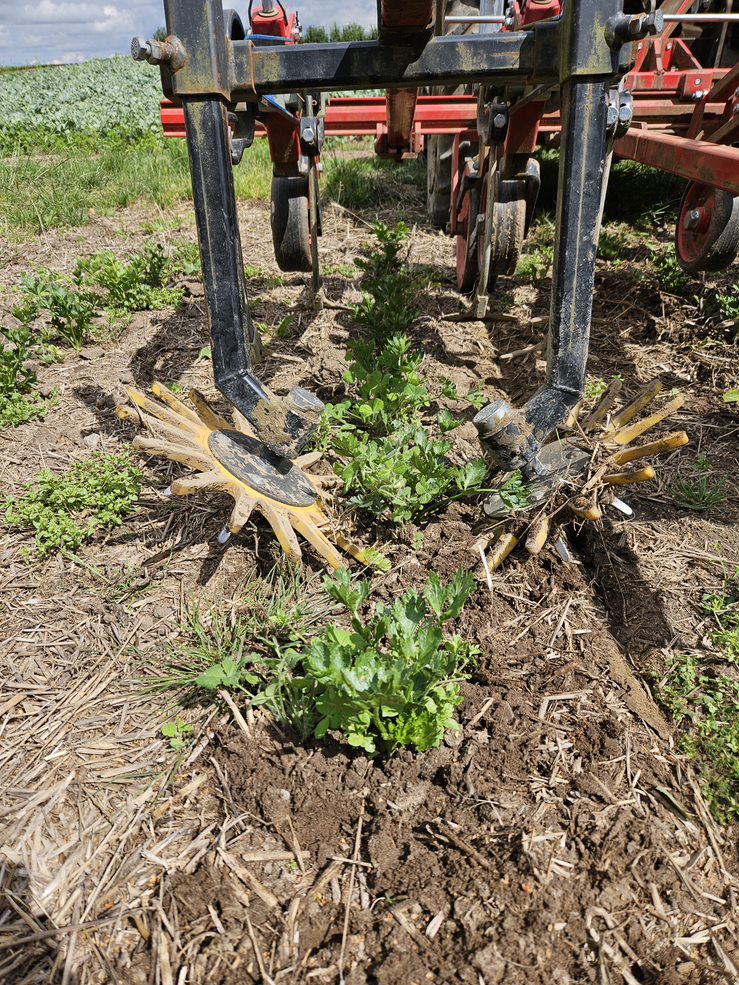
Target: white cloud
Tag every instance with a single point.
(47, 31)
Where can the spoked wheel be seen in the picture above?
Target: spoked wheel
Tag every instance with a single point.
(707, 230)
(290, 220)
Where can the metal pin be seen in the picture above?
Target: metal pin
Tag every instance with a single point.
(621, 506)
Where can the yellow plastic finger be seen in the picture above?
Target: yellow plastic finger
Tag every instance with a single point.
(599, 412)
(501, 549)
(537, 535)
(308, 528)
(627, 478)
(194, 483)
(206, 413)
(167, 397)
(645, 396)
(185, 454)
(243, 509)
(626, 435)
(586, 511)
(671, 441)
(283, 531)
(161, 412)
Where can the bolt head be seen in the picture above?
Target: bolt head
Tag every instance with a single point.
(692, 219)
(499, 121)
(140, 49)
(308, 135)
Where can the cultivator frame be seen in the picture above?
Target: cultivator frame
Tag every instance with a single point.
(598, 78)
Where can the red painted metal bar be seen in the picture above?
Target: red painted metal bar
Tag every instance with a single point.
(696, 160)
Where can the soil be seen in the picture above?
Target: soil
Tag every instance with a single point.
(558, 838)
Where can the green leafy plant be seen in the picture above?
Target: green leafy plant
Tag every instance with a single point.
(701, 490)
(388, 306)
(706, 705)
(405, 474)
(177, 733)
(391, 680)
(388, 680)
(723, 607)
(63, 511)
(514, 492)
(535, 265)
(18, 401)
(388, 457)
(611, 244)
(670, 274)
(138, 283)
(71, 310)
(595, 387)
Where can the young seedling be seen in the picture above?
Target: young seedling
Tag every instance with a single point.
(701, 491)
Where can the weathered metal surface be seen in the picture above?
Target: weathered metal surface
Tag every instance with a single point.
(200, 28)
(531, 56)
(579, 204)
(696, 160)
(283, 425)
(268, 474)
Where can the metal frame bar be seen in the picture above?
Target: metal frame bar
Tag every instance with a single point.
(573, 51)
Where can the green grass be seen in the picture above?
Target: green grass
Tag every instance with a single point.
(368, 182)
(74, 182)
(700, 490)
(64, 511)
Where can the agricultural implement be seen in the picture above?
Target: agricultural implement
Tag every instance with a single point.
(476, 89)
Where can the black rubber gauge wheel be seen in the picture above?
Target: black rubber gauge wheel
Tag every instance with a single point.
(291, 223)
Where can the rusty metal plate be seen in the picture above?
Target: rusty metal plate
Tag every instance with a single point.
(564, 462)
(268, 474)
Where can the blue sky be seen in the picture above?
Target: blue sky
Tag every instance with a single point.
(45, 31)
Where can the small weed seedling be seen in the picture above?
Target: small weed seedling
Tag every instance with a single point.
(723, 607)
(177, 733)
(701, 491)
(63, 511)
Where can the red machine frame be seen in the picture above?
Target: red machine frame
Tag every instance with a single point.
(685, 115)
